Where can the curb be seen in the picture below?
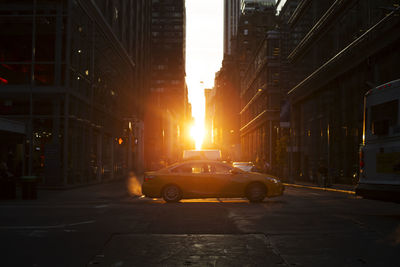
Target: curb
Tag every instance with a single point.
(74, 186)
(350, 192)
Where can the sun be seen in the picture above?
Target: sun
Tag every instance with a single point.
(197, 133)
(204, 53)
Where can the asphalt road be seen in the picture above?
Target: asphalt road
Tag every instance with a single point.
(104, 225)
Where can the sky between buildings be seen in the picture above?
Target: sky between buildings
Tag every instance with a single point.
(204, 49)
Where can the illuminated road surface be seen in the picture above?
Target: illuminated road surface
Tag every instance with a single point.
(104, 226)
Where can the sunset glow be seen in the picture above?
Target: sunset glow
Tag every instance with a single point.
(204, 46)
(197, 133)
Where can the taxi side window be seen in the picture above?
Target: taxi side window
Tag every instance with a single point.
(186, 168)
(200, 168)
(220, 169)
(191, 168)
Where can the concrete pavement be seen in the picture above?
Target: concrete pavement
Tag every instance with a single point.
(104, 225)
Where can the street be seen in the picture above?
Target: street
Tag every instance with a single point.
(113, 112)
(103, 225)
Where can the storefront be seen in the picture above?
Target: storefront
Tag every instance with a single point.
(12, 146)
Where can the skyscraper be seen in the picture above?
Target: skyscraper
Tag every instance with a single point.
(249, 6)
(231, 20)
(167, 98)
(71, 87)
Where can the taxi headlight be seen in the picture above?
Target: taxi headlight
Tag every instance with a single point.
(275, 181)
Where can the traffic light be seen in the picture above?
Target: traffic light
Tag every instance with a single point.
(120, 141)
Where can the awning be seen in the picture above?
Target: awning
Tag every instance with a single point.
(12, 126)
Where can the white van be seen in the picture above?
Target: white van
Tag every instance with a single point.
(210, 154)
(380, 150)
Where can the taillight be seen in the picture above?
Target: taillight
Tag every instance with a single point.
(148, 177)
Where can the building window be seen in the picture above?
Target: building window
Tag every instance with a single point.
(246, 32)
(175, 81)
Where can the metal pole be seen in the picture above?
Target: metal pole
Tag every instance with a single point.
(130, 147)
(290, 158)
(329, 156)
(112, 158)
(270, 143)
(57, 78)
(66, 100)
(100, 156)
(31, 83)
(93, 87)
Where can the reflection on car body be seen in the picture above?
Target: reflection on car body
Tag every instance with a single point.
(205, 178)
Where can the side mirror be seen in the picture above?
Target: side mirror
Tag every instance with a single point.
(255, 169)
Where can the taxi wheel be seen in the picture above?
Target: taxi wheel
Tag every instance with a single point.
(171, 193)
(256, 192)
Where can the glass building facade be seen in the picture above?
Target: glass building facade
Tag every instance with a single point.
(67, 75)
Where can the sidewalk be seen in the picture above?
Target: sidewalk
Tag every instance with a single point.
(342, 188)
(98, 192)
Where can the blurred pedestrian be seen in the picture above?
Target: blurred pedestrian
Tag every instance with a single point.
(323, 174)
(267, 166)
(3, 170)
(258, 162)
(314, 175)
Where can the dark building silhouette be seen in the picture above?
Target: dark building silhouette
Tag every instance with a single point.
(230, 97)
(251, 31)
(167, 102)
(231, 22)
(261, 100)
(209, 118)
(223, 103)
(72, 85)
(226, 121)
(341, 50)
(253, 6)
(258, 58)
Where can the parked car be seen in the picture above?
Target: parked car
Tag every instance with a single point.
(206, 178)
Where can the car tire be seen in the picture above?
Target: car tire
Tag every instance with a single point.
(171, 193)
(256, 192)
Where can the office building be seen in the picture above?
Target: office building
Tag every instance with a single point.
(72, 86)
(166, 103)
(342, 49)
(231, 21)
(252, 6)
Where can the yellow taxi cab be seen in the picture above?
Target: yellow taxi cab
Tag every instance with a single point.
(207, 179)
